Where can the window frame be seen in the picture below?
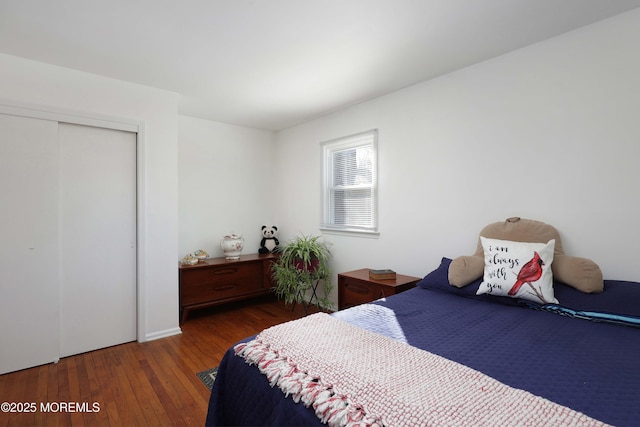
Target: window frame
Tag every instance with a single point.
(367, 138)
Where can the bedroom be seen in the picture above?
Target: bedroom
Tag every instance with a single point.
(571, 102)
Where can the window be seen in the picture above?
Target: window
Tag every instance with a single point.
(349, 189)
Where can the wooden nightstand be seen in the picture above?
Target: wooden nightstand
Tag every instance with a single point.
(355, 287)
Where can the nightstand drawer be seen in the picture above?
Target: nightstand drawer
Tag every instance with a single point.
(356, 292)
(355, 287)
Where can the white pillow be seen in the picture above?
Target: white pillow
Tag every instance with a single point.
(518, 270)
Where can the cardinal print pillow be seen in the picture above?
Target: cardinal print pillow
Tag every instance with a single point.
(518, 270)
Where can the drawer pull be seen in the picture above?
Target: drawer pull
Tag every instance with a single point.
(358, 289)
(225, 287)
(224, 271)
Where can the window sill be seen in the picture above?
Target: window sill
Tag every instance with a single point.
(352, 232)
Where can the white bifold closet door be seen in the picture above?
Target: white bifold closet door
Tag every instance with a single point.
(97, 238)
(29, 285)
(67, 240)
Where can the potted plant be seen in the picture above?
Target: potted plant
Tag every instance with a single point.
(303, 264)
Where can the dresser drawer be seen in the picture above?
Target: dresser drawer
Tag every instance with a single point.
(221, 273)
(220, 283)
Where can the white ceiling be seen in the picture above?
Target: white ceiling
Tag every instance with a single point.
(271, 64)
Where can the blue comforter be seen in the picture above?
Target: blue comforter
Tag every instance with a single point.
(588, 366)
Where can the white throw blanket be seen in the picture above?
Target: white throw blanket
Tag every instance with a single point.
(351, 376)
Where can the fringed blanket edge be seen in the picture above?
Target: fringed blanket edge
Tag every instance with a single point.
(330, 407)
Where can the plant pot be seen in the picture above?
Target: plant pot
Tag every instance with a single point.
(299, 264)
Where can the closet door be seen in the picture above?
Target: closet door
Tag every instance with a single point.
(97, 238)
(28, 242)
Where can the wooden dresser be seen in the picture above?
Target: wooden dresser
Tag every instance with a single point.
(355, 287)
(219, 280)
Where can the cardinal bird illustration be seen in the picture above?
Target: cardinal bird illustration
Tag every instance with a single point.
(530, 272)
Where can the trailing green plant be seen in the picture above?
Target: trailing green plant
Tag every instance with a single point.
(302, 263)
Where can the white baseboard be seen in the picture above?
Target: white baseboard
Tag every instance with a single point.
(163, 334)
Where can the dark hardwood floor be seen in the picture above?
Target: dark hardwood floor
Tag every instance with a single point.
(137, 384)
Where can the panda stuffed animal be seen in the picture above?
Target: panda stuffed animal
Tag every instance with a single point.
(269, 242)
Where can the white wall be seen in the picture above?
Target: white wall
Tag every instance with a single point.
(25, 82)
(549, 132)
(225, 184)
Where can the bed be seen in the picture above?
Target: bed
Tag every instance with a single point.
(574, 362)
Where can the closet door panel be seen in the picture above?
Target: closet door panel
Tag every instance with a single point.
(97, 238)
(28, 242)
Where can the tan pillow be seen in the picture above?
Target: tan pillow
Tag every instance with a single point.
(580, 273)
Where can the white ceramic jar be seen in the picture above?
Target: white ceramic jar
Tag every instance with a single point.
(232, 245)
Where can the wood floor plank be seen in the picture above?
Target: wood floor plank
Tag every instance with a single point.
(169, 412)
(106, 395)
(184, 394)
(53, 384)
(73, 392)
(96, 393)
(145, 395)
(41, 390)
(151, 383)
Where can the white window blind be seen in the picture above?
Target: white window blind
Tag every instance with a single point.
(350, 184)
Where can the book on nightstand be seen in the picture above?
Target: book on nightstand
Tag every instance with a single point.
(382, 274)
